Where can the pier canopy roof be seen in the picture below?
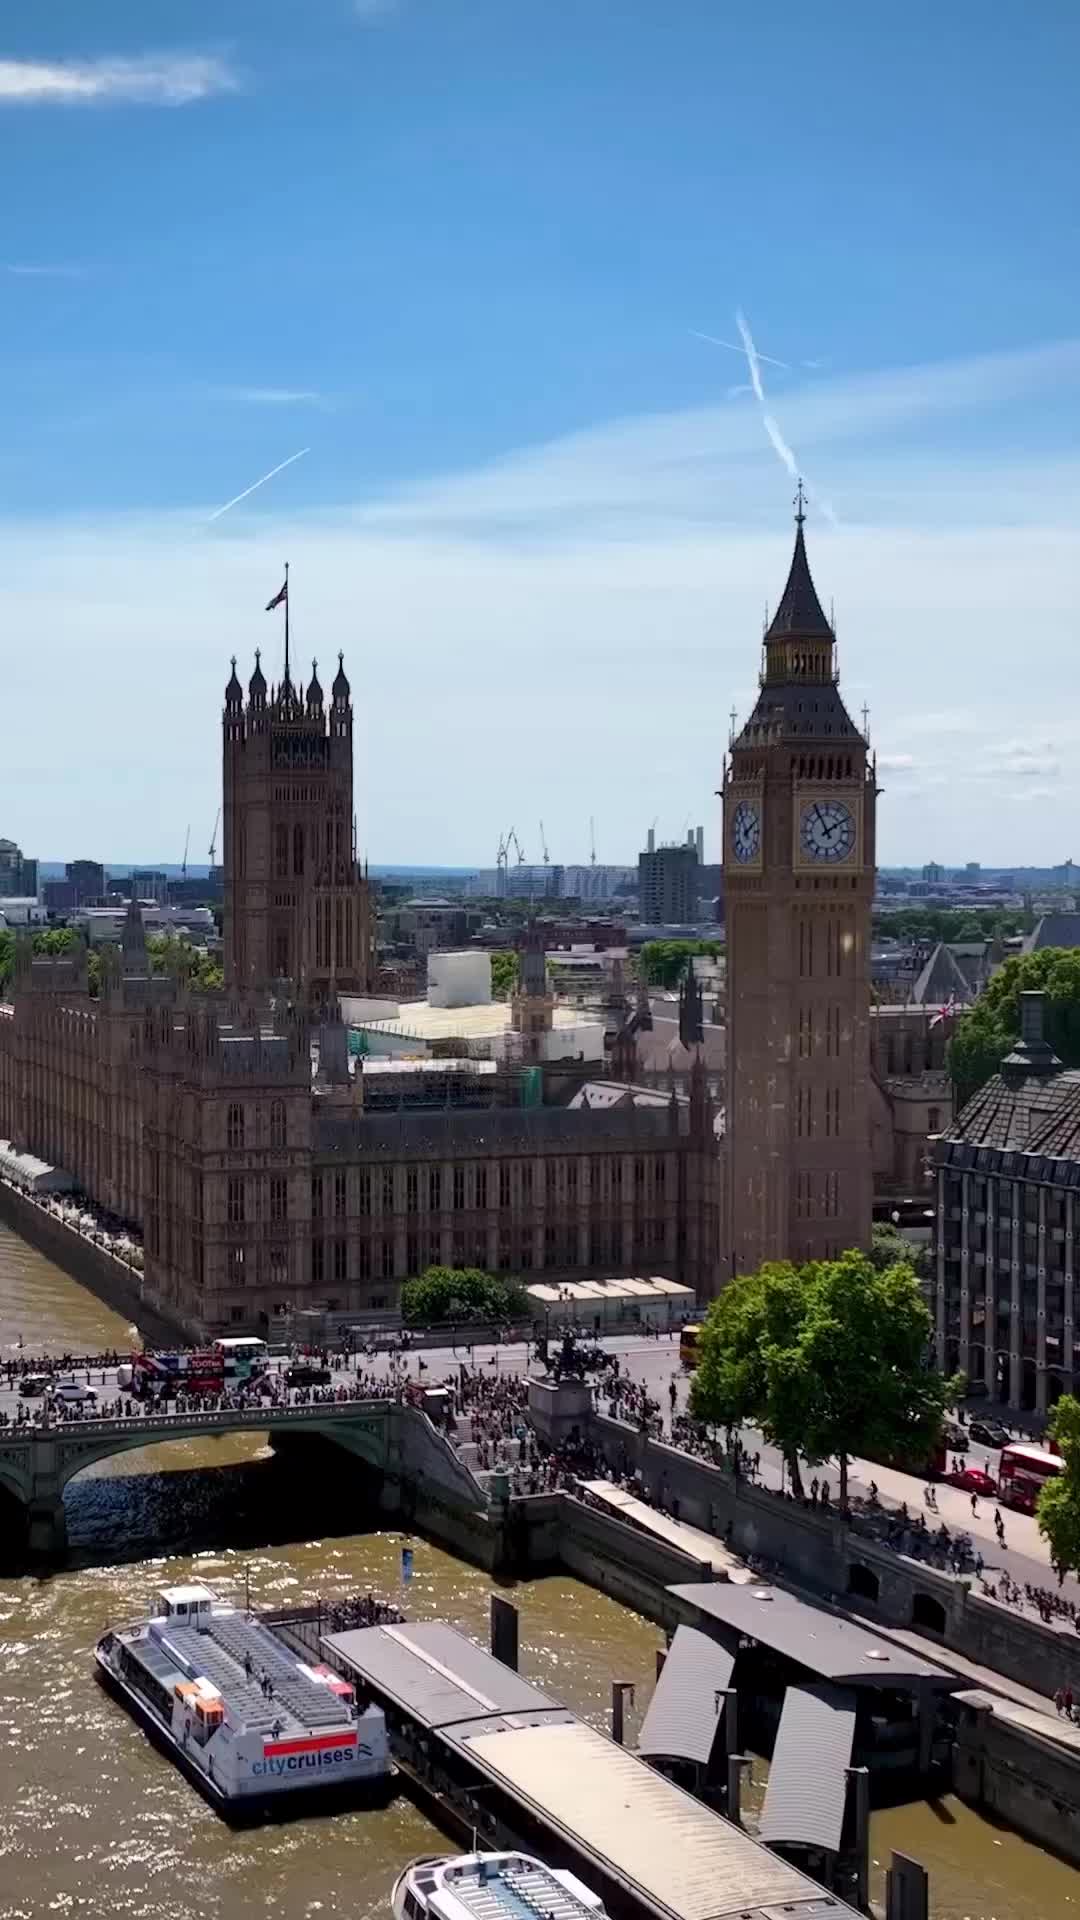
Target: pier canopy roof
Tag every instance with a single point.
(808, 1774)
(680, 1860)
(684, 1713)
(435, 1674)
(824, 1643)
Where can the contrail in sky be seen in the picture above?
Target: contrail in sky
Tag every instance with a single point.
(734, 347)
(256, 484)
(779, 444)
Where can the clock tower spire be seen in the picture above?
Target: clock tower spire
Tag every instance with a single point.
(799, 802)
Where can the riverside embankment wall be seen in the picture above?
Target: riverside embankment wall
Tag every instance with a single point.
(108, 1278)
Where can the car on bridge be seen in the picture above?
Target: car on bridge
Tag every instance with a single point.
(32, 1385)
(73, 1393)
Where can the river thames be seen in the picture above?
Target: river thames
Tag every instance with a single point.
(92, 1818)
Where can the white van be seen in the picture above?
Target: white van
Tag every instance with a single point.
(74, 1393)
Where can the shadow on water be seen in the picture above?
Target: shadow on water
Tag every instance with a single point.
(116, 1519)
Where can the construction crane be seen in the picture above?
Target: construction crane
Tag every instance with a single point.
(213, 836)
(500, 865)
(187, 843)
(544, 846)
(520, 848)
(592, 841)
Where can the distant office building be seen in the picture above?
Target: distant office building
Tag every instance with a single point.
(973, 870)
(196, 890)
(59, 896)
(18, 875)
(669, 880)
(934, 873)
(148, 883)
(88, 879)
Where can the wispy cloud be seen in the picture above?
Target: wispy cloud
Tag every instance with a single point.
(153, 79)
(278, 396)
(25, 270)
(896, 762)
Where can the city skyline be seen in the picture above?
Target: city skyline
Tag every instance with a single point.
(550, 394)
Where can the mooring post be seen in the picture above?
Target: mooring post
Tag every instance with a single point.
(860, 1782)
(907, 1890)
(619, 1691)
(504, 1631)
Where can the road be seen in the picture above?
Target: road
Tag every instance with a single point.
(655, 1364)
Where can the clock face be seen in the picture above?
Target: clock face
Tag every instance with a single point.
(827, 830)
(746, 831)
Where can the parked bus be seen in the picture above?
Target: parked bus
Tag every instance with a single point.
(1023, 1472)
(688, 1344)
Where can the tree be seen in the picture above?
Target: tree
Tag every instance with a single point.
(828, 1359)
(7, 957)
(888, 1247)
(863, 1349)
(984, 1036)
(1058, 1509)
(503, 974)
(663, 962)
(459, 1295)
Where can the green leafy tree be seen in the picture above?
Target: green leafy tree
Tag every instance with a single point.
(663, 962)
(459, 1295)
(504, 967)
(828, 1360)
(7, 958)
(985, 1034)
(863, 1349)
(1058, 1509)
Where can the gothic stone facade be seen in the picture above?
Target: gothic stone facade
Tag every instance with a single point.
(258, 1190)
(799, 806)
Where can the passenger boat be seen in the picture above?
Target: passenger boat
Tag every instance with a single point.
(490, 1886)
(246, 1720)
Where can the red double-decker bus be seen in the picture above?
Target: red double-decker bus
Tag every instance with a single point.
(1023, 1473)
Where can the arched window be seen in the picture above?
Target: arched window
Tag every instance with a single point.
(277, 1123)
(234, 1126)
(281, 851)
(298, 849)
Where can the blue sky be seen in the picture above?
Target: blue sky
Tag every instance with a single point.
(458, 250)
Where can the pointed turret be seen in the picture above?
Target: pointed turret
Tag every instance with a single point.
(234, 692)
(257, 684)
(135, 961)
(800, 614)
(314, 692)
(691, 1010)
(341, 689)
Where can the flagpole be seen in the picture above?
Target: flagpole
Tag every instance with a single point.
(286, 619)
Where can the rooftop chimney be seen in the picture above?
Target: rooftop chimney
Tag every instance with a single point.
(1032, 1053)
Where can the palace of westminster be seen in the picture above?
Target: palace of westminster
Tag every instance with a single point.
(230, 1130)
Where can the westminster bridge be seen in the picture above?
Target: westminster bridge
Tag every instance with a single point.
(393, 1443)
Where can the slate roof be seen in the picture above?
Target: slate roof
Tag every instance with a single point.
(942, 979)
(800, 611)
(1054, 930)
(1037, 1114)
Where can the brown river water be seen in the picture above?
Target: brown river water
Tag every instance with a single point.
(94, 1821)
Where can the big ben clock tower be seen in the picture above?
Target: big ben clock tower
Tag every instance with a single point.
(799, 798)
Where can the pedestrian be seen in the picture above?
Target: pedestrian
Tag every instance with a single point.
(1067, 1702)
(974, 1505)
(1059, 1702)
